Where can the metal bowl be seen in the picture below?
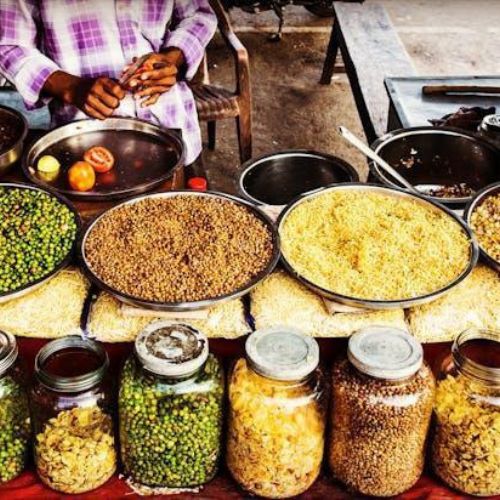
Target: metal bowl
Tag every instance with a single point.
(277, 178)
(476, 201)
(145, 156)
(439, 156)
(6, 296)
(381, 304)
(16, 124)
(182, 306)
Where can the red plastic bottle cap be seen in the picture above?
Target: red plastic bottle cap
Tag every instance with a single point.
(197, 183)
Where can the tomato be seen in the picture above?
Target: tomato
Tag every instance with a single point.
(107, 179)
(99, 158)
(81, 176)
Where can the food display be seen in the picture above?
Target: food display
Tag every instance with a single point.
(71, 407)
(382, 398)
(276, 415)
(108, 323)
(370, 244)
(280, 299)
(37, 232)
(15, 429)
(485, 221)
(184, 248)
(465, 449)
(170, 408)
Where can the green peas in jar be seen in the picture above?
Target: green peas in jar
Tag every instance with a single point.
(171, 408)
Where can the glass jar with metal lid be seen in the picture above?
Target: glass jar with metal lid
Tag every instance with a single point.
(466, 444)
(490, 128)
(71, 409)
(276, 414)
(171, 408)
(382, 395)
(15, 428)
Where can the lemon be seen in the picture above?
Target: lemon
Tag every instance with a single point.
(48, 164)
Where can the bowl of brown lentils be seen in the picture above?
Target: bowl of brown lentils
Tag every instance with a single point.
(483, 216)
(180, 250)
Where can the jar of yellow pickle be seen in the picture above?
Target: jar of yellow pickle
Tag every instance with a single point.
(276, 414)
(466, 445)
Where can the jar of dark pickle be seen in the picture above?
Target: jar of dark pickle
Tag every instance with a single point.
(466, 444)
(15, 429)
(382, 396)
(71, 409)
(171, 408)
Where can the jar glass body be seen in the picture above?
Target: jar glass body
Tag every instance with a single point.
(170, 428)
(379, 429)
(466, 438)
(74, 443)
(15, 428)
(276, 432)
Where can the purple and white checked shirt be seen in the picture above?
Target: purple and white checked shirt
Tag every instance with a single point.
(92, 38)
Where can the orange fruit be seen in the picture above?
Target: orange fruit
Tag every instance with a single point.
(81, 176)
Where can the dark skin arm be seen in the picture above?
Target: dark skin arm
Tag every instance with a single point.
(96, 97)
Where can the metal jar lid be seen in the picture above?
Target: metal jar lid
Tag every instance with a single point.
(8, 351)
(282, 353)
(491, 123)
(385, 352)
(171, 349)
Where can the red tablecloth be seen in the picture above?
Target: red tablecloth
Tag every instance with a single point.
(27, 486)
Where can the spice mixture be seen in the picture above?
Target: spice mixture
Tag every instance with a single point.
(170, 433)
(379, 429)
(485, 221)
(75, 452)
(276, 433)
(183, 248)
(466, 446)
(374, 246)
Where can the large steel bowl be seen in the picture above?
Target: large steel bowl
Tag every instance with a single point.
(471, 207)
(16, 124)
(381, 304)
(181, 306)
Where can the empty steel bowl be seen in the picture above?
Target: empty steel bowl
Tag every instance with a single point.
(277, 178)
(13, 130)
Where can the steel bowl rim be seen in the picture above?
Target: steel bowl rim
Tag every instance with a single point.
(18, 144)
(123, 193)
(393, 135)
(7, 296)
(476, 201)
(181, 306)
(371, 303)
(249, 165)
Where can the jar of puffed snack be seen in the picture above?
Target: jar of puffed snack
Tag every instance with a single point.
(171, 408)
(466, 445)
(276, 414)
(382, 396)
(71, 407)
(15, 428)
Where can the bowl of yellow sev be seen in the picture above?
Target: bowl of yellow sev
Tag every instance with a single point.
(375, 247)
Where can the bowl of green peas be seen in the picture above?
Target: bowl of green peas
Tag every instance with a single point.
(38, 230)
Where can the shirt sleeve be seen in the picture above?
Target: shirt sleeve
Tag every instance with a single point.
(194, 24)
(20, 60)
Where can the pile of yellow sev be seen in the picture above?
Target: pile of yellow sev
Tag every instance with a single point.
(373, 246)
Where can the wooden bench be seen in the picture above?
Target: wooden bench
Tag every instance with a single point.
(371, 50)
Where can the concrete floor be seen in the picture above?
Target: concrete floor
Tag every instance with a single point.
(291, 110)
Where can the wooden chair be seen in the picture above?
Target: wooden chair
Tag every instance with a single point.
(215, 103)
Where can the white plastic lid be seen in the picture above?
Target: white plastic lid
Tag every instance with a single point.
(171, 349)
(385, 352)
(282, 353)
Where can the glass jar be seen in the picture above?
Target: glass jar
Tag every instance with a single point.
(171, 408)
(466, 444)
(382, 397)
(15, 428)
(71, 409)
(277, 415)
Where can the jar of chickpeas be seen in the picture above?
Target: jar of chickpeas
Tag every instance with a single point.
(276, 414)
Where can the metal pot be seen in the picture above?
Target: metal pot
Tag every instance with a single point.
(440, 156)
(15, 122)
(277, 178)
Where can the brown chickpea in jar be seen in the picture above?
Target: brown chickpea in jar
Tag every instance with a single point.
(382, 399)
